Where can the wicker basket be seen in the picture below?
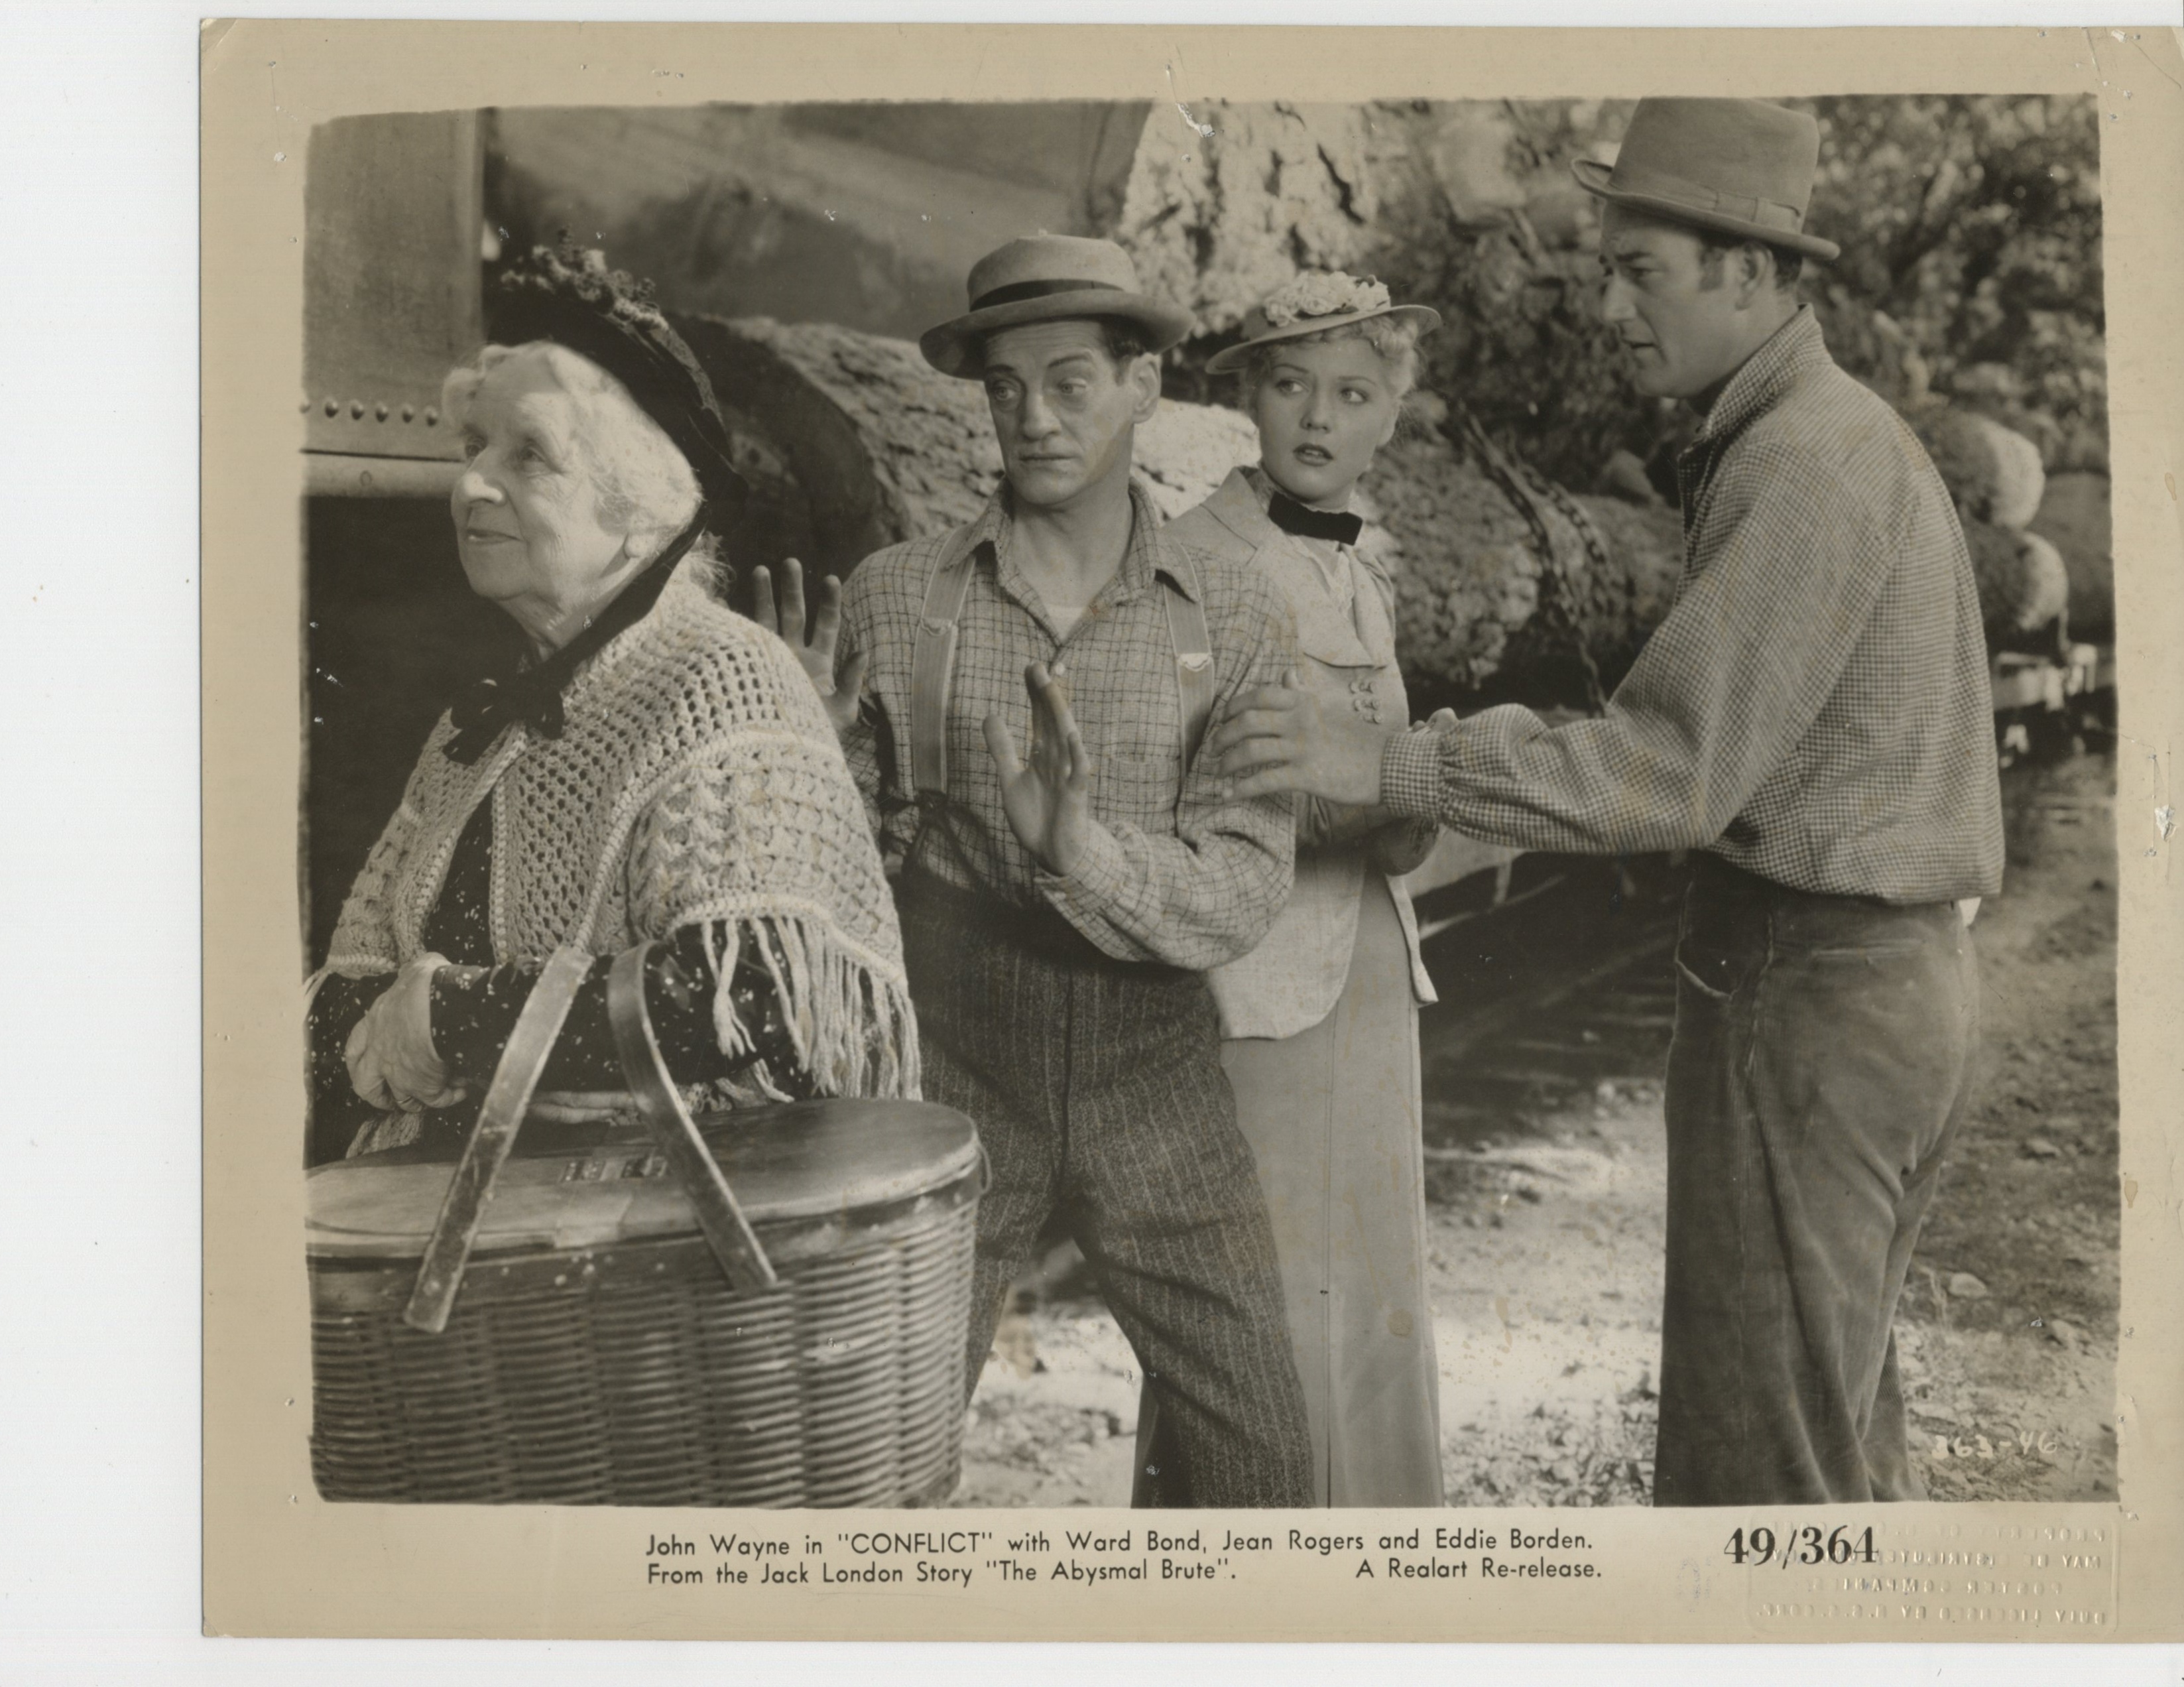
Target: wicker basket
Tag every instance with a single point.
(597, 1355)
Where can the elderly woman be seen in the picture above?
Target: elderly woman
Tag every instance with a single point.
(656, 767)
(1320, 1022)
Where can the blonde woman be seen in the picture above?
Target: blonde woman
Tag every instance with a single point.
(1320, 1022)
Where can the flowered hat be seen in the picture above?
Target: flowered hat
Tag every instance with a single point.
(571, 296)
(1311, 303)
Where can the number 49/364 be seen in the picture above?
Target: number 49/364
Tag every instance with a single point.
(1807, 1545)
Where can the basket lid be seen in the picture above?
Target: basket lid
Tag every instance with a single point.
(798, 1162)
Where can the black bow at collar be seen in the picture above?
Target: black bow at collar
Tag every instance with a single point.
(533, 695)
(1306, 523)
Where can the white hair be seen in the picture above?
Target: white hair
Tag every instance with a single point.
(1393, 338)
(644, 485)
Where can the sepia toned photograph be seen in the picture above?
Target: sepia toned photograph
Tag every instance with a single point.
(1395, 1152)
(1247, 842)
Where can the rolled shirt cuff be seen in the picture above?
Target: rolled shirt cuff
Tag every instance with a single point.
(1410, 774)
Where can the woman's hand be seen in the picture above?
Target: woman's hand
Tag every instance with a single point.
(817, 657)
(1278, 738)
(1049, 802)
(390, 1054)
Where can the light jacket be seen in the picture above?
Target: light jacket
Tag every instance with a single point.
(1293, 980)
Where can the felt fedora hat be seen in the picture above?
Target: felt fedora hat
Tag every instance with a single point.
(1741, 167)
(1049, 278)
(1311, 304)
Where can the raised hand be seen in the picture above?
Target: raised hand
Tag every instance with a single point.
(840, 694)
(1279, 738)
(1049, 799)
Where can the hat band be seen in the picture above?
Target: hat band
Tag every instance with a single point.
(1660, 185)
(1017, 291)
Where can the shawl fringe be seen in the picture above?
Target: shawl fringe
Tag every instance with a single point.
(851, 1023)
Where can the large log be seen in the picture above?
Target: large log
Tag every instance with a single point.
(1475, 605)
(852, 442)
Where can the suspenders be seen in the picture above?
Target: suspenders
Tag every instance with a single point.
(933, 663)
(933, 666)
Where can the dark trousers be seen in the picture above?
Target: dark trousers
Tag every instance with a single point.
(1097, 1089)
(1821, 1064)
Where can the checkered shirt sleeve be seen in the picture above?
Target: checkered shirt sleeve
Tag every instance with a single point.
(1815, 707)
(1179, 872)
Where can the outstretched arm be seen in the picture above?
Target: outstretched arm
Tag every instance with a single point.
(1724, 689)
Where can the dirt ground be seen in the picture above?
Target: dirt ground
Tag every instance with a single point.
(1545, 1247)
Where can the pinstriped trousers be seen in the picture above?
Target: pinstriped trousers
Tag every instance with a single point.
(1097, 1089)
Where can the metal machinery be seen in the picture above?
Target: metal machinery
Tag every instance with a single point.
(393, 222)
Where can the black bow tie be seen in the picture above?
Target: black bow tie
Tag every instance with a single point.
(533, 694)
(1306, 523)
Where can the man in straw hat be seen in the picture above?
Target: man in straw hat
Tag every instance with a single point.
(1813, 718)
(1060, 906)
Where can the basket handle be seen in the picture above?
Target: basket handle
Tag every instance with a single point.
(441, 1273)
(733, 1242)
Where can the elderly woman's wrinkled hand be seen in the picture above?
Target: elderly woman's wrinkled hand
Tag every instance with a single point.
(391, 1059)
(839, 693)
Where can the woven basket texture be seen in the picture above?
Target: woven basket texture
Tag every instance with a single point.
(842, 1386)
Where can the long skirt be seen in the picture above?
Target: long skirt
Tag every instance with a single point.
(1332, 1115)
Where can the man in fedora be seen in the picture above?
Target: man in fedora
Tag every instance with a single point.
(1069, 868)
(1813, 718)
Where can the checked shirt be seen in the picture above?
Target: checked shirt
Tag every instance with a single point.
(1177, 871)
(1815, 709)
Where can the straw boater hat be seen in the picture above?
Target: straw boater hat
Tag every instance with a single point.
(1311, 304)
(1731, 166)
(1049, 278)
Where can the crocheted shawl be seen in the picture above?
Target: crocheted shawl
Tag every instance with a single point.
(696, 781)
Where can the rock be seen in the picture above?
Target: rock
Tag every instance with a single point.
(2063, 1333)
(2038, 1148)
(1562, 1471)
(1963, 1286)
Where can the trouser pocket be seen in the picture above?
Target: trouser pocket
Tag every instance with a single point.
(1708, 971)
